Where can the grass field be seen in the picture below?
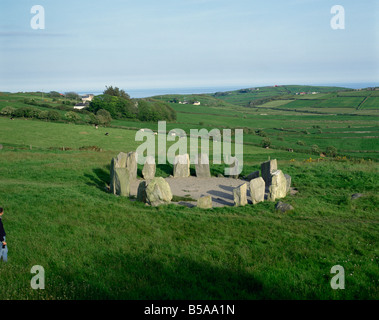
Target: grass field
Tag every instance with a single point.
(371, 103)
(94, 245)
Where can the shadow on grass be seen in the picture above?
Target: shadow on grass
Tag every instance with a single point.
(141, 277)
(166, 169)
(99, 179)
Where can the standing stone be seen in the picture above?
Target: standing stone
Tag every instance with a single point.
(182, 166)
(288, 179)
(118, 162)
(131, 164)
(257, 190)
(278, 187)
(202, 166)
(234, 168)
(205, 202)
(252, 175)
(120, 183)
(239, 193)
(267, 168)
(1, 147)
(154, 192)
(149, 168)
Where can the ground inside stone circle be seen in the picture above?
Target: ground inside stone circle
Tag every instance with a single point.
(220, 189)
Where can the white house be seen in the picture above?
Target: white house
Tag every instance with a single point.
(80, 106)
(87, 97)
(196, 103)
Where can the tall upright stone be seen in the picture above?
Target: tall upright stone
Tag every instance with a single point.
(239, 194)
(278, 187)
(120, 182)
(234, 168)
(117, 162)
(149, 168)
(267, 168)
(131, 164)
(202, 166)
(154, 192)
(252, 176)
(257, 190)
(288, 179)
(182, 166)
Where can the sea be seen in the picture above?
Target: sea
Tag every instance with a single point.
(150, 92)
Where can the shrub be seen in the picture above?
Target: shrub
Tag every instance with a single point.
(7, 111)
(53, 115)
(315, 149)
(43, 115)
(26, 112)
(266, 143)
(72, 116)
(103, 117)
(331, 151)
(261, 133)
(300, 143)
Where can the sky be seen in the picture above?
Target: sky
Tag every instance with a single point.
(90, 44)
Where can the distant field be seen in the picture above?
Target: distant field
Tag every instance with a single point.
(351, 102)
(371, 103)
(360, 93)
(301, 104)
(275, 103)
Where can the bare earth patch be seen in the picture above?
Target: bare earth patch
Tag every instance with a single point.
(220, 189)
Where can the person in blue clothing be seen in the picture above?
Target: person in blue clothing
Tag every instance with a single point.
(4, 248)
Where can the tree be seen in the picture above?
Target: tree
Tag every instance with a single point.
(116, 92)
(72, 95)
(54, 94)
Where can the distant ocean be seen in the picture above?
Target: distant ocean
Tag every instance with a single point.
(144, 93)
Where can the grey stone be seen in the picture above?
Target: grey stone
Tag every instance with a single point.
(149, 168)
(131, 164)
(219, 175)
(239, 194)
(288, 185)
(234, 168)
(278, 187)
(120, 182)
(283, 207)
(205, 202)
(1, 147)
(252, 175)
(118, 162)
(257, 190)
(182, 166)
(293, 191)
(154, 192)
(202, 166)
(356, 196)
(267, 168)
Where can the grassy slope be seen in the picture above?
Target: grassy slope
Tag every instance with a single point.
(94, 245)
